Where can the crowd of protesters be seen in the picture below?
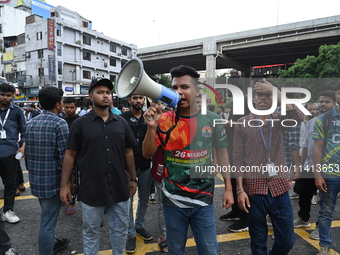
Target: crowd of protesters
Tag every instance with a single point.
(104, 154)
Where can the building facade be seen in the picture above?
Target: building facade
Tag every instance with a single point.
(64, 51)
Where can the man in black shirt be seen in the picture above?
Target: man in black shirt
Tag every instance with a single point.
(100, 144)
(70, 108)
(135, 119)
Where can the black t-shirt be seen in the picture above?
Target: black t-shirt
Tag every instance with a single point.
(70, 120)
(139, 128)
(101, 158)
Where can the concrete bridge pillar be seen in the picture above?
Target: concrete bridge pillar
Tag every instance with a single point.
(210, 51)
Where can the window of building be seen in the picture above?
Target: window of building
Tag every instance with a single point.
(85, 24)
(113, 78)
(124, 51)
(113, 47)
(59, 49)
(40, 53)
(60, 84)
(86, 74)
(60, 67)
(87, 55)
(123, 63)
(39, 36)
(113, 62)
(58, 30)
(40, 71)
(87, 40)
(0, 28)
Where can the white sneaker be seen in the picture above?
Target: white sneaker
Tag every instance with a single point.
(314, 200)
(11, 251)
(294, 195)
(300, 223)
(10, 217)
(315, 234)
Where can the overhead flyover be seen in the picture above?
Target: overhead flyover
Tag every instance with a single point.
(243, 50)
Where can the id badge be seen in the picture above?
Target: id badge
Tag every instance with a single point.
(2, 134)
(271, 169)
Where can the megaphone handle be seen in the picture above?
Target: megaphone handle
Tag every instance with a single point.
(158, 102)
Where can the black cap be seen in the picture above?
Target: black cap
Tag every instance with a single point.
(101, 82)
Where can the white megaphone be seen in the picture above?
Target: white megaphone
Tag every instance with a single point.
(133, 79)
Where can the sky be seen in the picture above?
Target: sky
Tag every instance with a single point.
(154, 22)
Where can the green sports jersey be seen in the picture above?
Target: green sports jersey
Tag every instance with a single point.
(187, 158)
(331, 155)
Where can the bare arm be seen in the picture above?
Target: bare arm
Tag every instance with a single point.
(223, 160)
(131, 168)
(317, 160)
(152, 117)
(65, 191)
(242, 197)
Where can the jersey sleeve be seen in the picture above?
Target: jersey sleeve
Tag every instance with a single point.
(318, 133)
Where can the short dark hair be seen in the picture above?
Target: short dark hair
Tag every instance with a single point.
(70, 100)
(5, 87)
(211, 107)
(88, 103)
(221, 107)
(32, 105)
(328, 93)
(182, 70)
(120, 107)
(49, 96)
(337, 86)
(309, 103)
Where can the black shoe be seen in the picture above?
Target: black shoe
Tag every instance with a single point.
(230, 216)
(238, 226)
(144, 234)
(60, 244)
(130, 246)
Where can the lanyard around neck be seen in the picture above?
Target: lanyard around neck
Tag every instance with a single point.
(2, 123)
(267, 146)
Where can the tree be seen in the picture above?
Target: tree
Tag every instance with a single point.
(316, 73)
(165, 80)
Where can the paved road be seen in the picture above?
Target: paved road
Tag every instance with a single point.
(24, 234)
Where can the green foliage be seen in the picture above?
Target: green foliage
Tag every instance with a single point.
(165, 80)
(229, 103)
(316, 73)
(2, 49)
(221, 79)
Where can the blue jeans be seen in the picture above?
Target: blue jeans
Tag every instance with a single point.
(327, 205)
(50, 208)
(144, 182)
(281, 214)
(117, 217)
(203, 226)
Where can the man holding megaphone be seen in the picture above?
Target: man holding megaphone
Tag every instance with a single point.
(188, 137)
